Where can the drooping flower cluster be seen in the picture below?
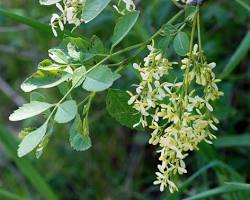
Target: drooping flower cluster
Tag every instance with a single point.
(179, 113)
(70, 14)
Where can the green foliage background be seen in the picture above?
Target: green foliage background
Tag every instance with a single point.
(120, 164)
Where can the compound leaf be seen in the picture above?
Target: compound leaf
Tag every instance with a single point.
(29, 110)
(79, 139)
(181, 44)
(32, 140)
(123, 26)
(117, 106)
(93, 8)
(66, 112)
(44, 79)
(99, 79)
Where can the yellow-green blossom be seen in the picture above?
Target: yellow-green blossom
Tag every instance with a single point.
(70, 14)
(179, 117)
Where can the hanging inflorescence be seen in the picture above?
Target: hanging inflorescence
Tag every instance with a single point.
(179, 115)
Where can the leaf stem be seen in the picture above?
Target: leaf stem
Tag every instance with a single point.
(83, 101)
(190, 55)
(199, 30)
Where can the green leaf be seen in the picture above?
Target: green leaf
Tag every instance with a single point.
(164, 43)
(64, 88)
(78, 76)
(237, 57)
(79, 139)
(99, 79)
(181, 44)
(168, 30)
(48, 2)
(29, 110)
(32, 140)
(44, 79)
(123, 26)
(77, 42)
(116, 76)
(117, 106)
(66, 112)
(97, 46)
(93, 8)
(48, 65)
(58, 55)
(72, 52)
(37, 96)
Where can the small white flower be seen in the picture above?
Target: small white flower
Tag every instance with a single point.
(212, 65)
(196, 47)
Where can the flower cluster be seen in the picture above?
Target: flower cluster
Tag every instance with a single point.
(70, 14)
(179, 112)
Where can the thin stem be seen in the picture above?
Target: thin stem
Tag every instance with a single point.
(85, 110)
(182, 27)
(199, 31)
(190, 55)
(83, 101)
(174, 18)
(184, 91)
(101, 55)
(129, 48)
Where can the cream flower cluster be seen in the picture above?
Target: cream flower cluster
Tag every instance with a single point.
(70, 14)
(179, 113)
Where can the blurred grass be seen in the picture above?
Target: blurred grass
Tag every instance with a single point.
(237, 57)
(37, 181)
(227, 188)
(9, 195)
